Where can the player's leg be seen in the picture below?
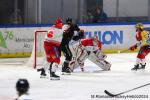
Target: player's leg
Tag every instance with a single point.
(55, 53)
(82, 55)
(140, 61)
(75, 50)
(47, 48)
(43, 73)
(52, 55)
(100, 55)
(68, 57)
(43, 69)
(53, 67)
(102, 63)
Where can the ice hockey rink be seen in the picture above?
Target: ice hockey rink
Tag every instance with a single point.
(88, 85)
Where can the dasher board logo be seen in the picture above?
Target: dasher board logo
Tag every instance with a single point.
(107, 37)
(3, 37)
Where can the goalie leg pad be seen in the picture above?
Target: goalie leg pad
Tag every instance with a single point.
(103, 64)
(100, 55)
(82, 56)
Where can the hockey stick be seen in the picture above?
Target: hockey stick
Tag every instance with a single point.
(113, 95)
(122, 51)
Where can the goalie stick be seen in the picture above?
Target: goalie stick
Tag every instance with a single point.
(113, 95)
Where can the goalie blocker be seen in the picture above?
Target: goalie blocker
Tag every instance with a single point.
(88, 49)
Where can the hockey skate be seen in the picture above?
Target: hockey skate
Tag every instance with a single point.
(82, 67)
(143, 66)
(138, 67)
(43, 74)
(66, 71)
(53, 76)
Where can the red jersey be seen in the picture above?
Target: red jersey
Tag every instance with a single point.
(93, 43)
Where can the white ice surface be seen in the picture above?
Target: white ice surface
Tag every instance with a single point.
(78, 86)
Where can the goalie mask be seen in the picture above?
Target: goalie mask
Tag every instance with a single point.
(95, 39)
(22, 86)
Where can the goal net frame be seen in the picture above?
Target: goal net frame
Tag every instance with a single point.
(34, 51)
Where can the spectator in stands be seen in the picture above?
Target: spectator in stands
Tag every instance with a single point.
(100, 15)
(16, 18)
(89, 17)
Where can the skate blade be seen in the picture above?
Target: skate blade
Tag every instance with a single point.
(43, 76)
(53, 78)
(64, 73)
(139, 69)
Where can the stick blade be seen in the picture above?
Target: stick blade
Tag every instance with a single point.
(109, 94)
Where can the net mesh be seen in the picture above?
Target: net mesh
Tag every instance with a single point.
(38, 55)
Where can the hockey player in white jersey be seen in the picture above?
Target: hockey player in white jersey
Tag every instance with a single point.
(89, 48)
(51, 47)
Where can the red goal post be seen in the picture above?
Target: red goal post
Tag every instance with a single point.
(37, 57)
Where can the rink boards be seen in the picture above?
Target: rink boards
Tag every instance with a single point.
(17, 41)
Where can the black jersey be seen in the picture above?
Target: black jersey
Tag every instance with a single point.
(69, 33)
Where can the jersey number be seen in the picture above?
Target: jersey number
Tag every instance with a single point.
(50, 34)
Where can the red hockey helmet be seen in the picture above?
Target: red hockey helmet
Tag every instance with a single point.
(58, 23)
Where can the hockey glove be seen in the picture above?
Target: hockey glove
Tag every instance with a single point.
(132, 48)
(81, 33)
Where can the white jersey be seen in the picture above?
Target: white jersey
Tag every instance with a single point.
(54, 34)
(24, 97)
(81, 53)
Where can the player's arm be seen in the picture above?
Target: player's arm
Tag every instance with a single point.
(135, 46)
(79, 33)
(139, 42)
(78, 36)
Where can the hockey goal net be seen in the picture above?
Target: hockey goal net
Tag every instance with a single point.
(38, 55)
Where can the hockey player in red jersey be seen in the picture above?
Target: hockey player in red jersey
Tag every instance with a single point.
(51, 47)
(90, 48)
(143, 42)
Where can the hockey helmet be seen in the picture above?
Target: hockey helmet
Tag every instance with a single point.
(22, 85)
(139, 25)
(69, 20)
(58, 23)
